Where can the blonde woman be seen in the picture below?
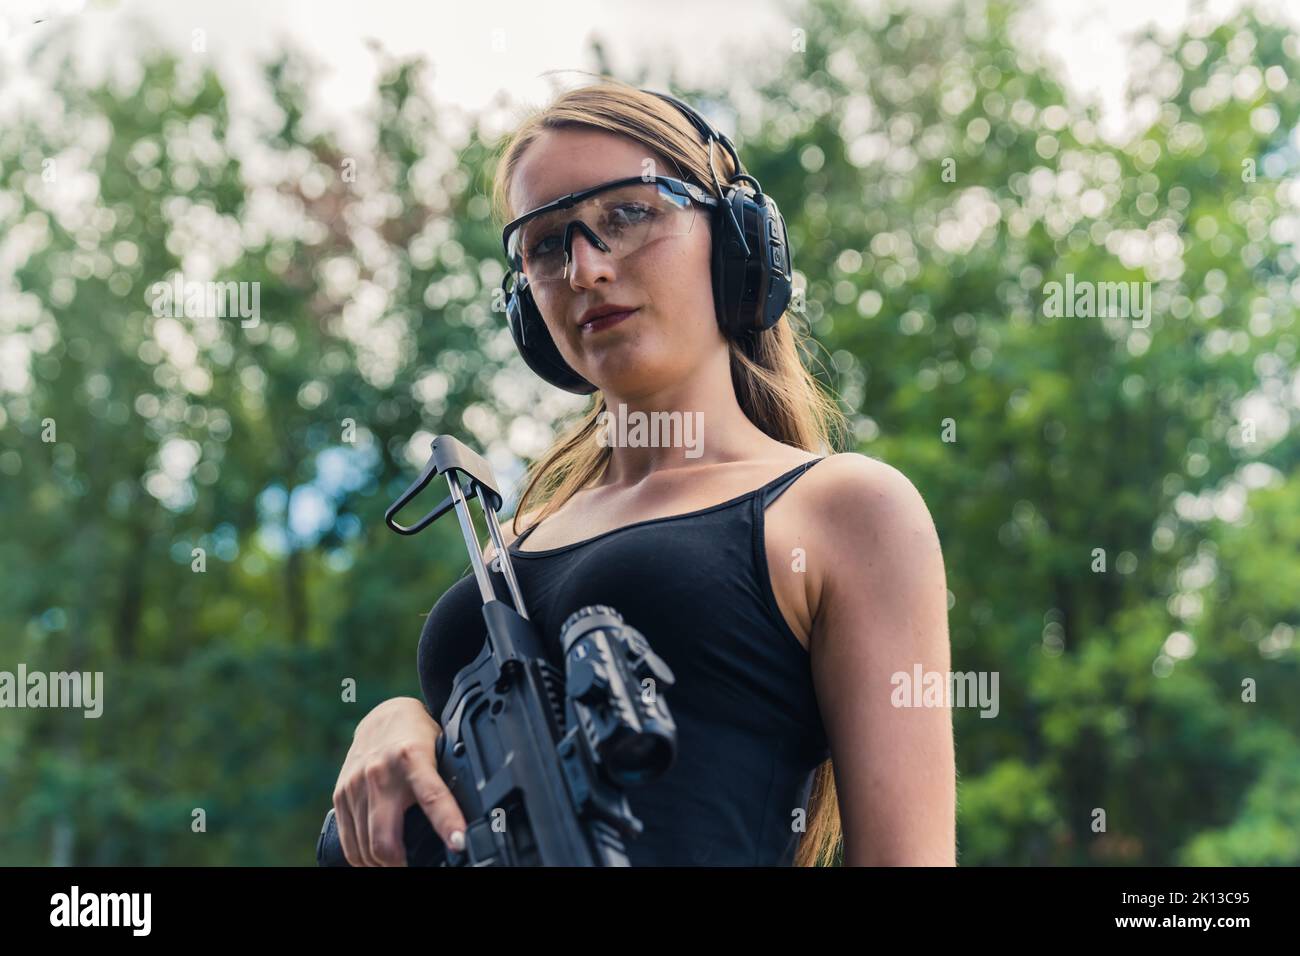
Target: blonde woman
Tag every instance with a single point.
(784, 585)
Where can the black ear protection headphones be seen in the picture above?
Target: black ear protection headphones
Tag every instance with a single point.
(751, 265)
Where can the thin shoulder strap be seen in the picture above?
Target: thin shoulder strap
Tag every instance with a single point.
(520, 539)
(774, 488)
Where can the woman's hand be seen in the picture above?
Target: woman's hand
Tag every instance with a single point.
(391, 765)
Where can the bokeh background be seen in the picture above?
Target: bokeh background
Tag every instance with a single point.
(141, 140)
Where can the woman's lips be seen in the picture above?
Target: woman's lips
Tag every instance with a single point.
(605, 321)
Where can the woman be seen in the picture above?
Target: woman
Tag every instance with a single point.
(785, 588)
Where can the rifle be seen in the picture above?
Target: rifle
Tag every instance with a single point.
(538, 759)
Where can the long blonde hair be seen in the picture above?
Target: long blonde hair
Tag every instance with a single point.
(774, 388)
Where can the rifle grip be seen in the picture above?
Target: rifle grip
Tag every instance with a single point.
(423, 845)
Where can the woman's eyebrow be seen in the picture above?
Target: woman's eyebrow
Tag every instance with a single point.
(579, 189)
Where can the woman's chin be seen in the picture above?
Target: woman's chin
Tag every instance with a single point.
(614, 376)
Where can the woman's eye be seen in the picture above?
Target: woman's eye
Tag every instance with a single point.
(634, 212)
(626, 214)
(539, 248)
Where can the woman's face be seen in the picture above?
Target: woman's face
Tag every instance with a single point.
(668, 280)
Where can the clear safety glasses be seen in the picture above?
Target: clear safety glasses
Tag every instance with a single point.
(618, 217)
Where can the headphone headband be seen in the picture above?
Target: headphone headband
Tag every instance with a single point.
(708, 131)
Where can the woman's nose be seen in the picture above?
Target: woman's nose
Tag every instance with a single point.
(588, 255)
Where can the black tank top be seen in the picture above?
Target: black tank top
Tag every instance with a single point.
(749, 732)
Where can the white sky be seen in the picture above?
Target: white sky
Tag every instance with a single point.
(499, 48)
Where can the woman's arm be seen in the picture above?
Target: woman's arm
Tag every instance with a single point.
(880, 610)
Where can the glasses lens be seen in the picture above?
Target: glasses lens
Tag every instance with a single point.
(625, 218)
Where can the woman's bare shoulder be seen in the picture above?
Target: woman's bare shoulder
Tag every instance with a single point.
(853, 483)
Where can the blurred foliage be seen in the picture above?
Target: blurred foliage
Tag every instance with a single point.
(934, 174)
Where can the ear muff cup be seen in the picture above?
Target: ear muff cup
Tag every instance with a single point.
(731, 274)
(533, 339)
(751, 292)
